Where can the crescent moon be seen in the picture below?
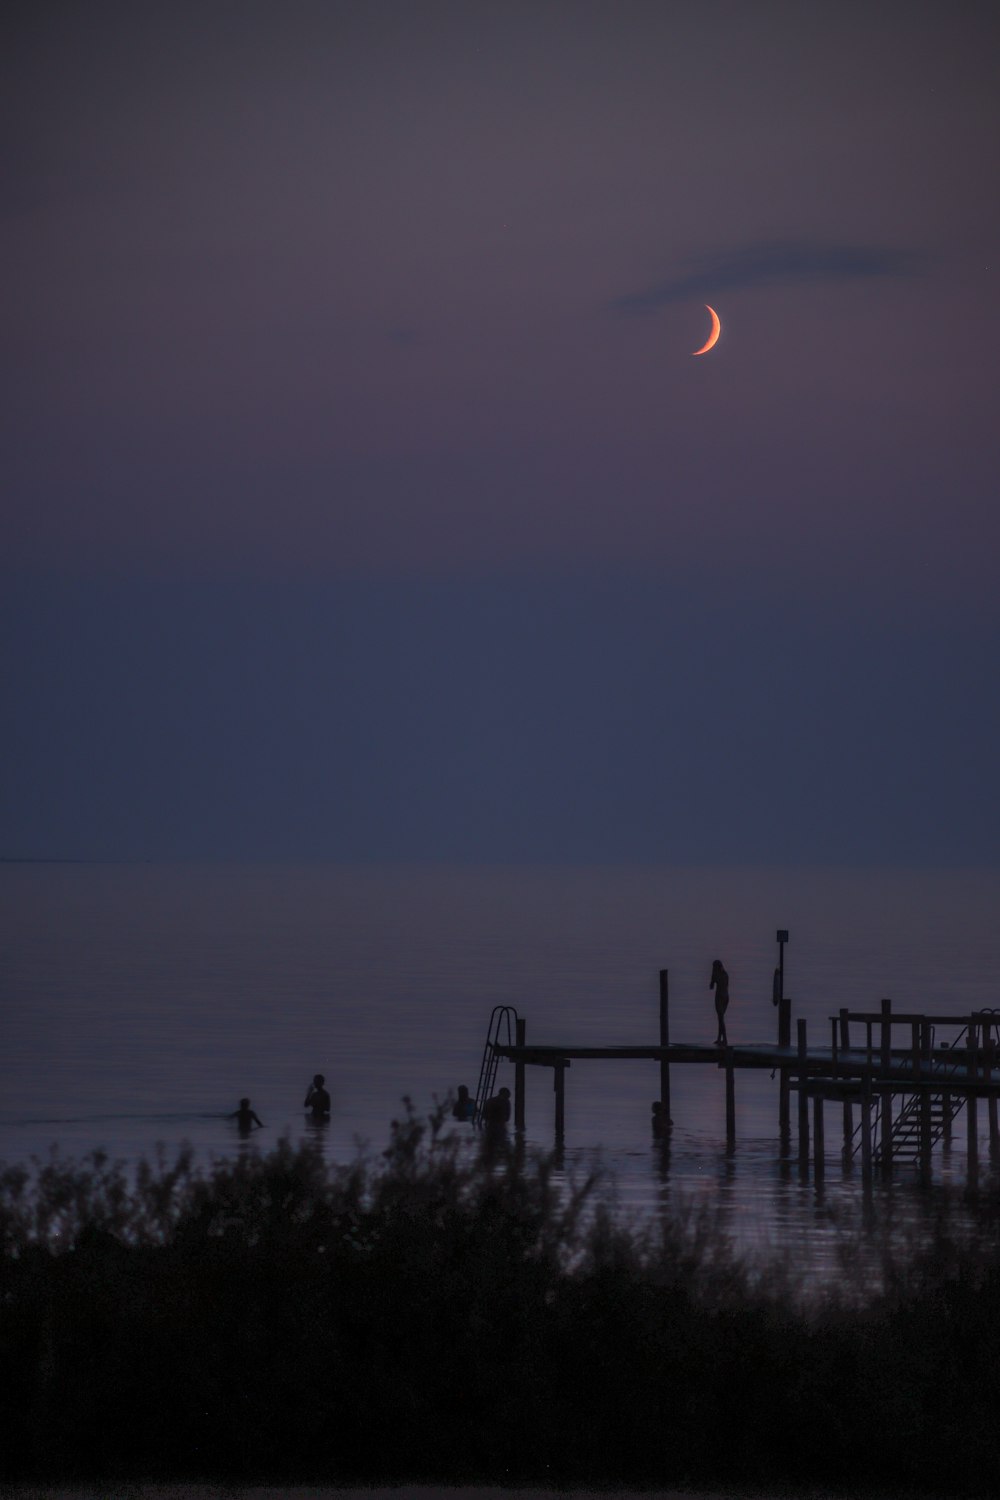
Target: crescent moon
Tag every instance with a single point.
(713, 337)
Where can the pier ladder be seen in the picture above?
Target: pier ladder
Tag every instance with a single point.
(501, 1033)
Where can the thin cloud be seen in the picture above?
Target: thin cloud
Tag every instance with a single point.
(779, 264)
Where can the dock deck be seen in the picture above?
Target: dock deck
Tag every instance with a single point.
(908, 1096)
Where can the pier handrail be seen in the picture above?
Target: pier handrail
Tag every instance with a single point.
(501, 1017)
(907, 1018)
(940, 1075)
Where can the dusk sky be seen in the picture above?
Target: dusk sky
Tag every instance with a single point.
(362, 498)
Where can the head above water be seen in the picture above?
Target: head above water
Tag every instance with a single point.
(318, 1080)
(244, 1104)
(463, 1092)
(505, 1093)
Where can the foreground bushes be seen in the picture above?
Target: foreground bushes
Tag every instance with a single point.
(434, 1317)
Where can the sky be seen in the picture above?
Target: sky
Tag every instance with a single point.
(362, 498)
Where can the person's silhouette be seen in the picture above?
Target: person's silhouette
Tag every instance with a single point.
(496, 1111)
(464, 1107)
(245, 1118)
(317, 1100)
(719, 982)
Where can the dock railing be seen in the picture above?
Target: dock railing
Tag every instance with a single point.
(501, 1032)
(926, 1076)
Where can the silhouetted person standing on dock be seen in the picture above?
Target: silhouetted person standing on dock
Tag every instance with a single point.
(317, 1101)
(245, 1118)
(719, 982)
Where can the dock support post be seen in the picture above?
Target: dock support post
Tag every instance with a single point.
(885, 1067)
(925, 1106)
(886, 1037)
(784, 1042)
(845, 1046)
(971, 1111)
(866, 1131)
(519, 1032)
(990, 1064)
(559, 1084)
(818, 1144)
(730, 1100)
(803, 1096)
(665, 1042)
(784, 1004)
(784, 1107)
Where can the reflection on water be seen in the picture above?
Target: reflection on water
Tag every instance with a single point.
(773, 1211)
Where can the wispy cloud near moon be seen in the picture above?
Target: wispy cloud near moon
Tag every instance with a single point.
(778, 264)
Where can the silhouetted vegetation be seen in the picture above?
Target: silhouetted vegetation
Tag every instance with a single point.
(428, 1316)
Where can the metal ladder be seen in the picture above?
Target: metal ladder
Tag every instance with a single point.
(501, 1033)
(904, 1140)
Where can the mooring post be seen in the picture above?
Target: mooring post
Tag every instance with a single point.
(665, 1042)
(519, 1032)
(803, 1095)
(730, 1100)
(971, 1112)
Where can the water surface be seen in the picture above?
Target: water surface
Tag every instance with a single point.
(140, 1002)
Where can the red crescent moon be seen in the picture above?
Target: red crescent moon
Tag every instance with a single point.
(713, 337)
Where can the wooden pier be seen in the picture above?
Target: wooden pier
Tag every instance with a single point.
(901, 1079)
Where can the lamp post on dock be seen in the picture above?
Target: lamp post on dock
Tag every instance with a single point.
(784, 1018)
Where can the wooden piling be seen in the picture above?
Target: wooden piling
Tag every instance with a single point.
(784, 1106)
(665, 1042)
(818, 1145)
(803, 1095)
(519, 1034)
(866, 1130)
(886, 1036)
(971, 1111)
(730, 1100)
(989, 1063)
(845, 1043)
(925, 1106)
(559, 1084)
(784, 1041)
(885, 1095)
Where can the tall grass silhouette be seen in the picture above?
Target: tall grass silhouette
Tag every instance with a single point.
(431, 1313)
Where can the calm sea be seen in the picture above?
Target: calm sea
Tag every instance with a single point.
(140, 1002)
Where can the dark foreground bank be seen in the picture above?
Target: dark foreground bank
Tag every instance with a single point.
(440, 1319)
(400, 1492)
